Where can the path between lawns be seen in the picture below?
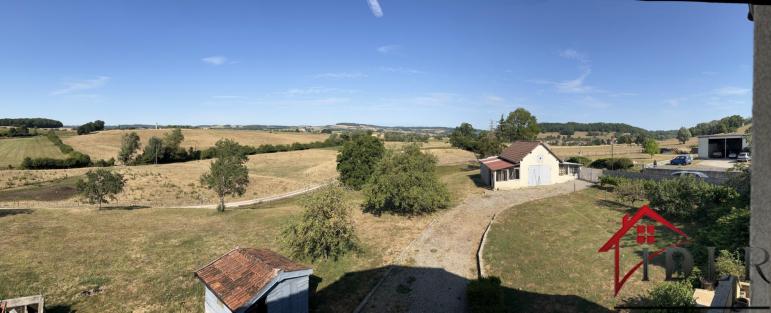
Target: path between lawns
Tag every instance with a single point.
(435, 268)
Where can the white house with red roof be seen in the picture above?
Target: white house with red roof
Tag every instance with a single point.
(524, 164)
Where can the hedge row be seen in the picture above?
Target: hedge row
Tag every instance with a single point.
(74, 158)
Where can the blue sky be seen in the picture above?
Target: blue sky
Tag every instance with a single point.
(392, 62)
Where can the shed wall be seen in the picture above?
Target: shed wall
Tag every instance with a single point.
(212, 304)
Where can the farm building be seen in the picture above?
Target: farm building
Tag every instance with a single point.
(721, 146)
(247, 280)
(526, 163)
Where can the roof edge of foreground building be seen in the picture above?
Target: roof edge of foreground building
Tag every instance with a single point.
(244, 278)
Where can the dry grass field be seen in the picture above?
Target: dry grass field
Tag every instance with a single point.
(177, 183)
(141, 260)
(595, 151)
(106, 144)
(14, 150)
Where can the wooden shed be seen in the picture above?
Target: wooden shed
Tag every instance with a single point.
(247, 280)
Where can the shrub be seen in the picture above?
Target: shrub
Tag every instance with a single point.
(579, 159)
(406, 183)
(630, 190)
(728, 263)
(607, 181)
(325, 229)
(485, 295)
(670, 294)
(612, 163)
(357, 159)
(74, 160)
(689, 197)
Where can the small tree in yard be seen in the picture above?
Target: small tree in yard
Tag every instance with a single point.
(405, 183)
(357, 159)
(128, 146)
(683, 134)
(325, 229)
(227, 174)
(651, 147)
(100, 186)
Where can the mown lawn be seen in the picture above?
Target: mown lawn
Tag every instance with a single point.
(142, 259)
(14, 150)
(545, 253)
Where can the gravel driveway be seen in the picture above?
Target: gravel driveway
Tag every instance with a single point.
(436, 267)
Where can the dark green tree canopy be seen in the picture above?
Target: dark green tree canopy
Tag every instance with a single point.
(463, 137)
(518, 125)
(128, 147)
(405, 182)
(357, 158)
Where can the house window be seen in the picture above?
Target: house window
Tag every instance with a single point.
(501, 175)
(514, 173)
(563, 170)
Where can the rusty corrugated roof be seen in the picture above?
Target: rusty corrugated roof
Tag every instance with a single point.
(236, 277)
(497, 164)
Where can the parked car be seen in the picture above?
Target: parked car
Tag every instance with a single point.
(690, 173)
(681, 160)
(732, 155)
(717, 154)
(744, 157)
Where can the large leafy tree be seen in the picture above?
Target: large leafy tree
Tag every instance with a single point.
(357, 158)
(325, 229)
(683, 134)
(487, 144)
(463, 137)
(228, 174)
(518, 125)
(405, 182)
(100, 186)
(128, 147)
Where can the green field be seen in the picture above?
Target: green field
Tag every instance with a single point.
(545, 253)
(14, 150)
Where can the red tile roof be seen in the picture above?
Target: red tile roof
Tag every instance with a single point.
(236, 277)
(519, 149)
(497, 164)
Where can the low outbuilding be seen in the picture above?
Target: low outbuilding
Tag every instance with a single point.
(247, 280)
(526, 163)
(722, 146)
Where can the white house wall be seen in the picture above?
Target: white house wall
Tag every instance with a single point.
(212, 304)
(539, 156)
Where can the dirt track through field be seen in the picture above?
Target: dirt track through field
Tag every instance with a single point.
(434, 269)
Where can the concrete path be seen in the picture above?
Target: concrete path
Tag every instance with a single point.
(435, 268)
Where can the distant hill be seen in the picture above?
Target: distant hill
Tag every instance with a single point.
(568, 127)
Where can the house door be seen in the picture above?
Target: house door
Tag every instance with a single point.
(538, 175)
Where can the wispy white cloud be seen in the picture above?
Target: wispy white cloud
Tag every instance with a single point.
(389, 49)
(341, 75)
(402, 70)
(216, 60)
(315, 91)
(374, 6)
(731, 91)
(75, 86)
(574, 55)
(494, 98)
